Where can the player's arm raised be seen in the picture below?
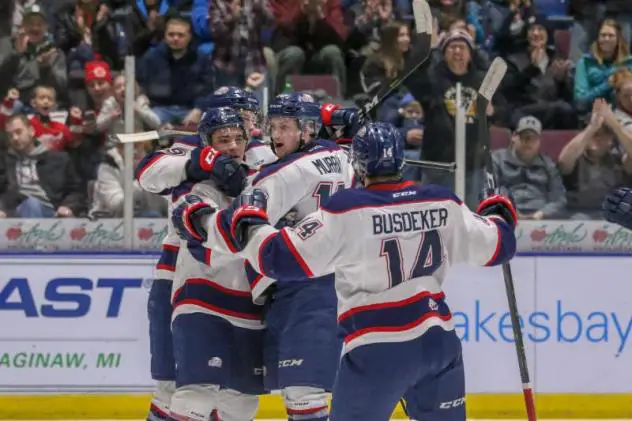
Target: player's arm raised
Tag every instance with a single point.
(160, 171)
(486, 238)
(307, 250)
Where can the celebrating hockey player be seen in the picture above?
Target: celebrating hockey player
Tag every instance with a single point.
(159, 172)
(301, 350)
(257, 152)
(390, 245)
(217, 329)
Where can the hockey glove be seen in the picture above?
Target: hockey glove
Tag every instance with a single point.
(188, 218)
(500, 205)
(617, 207)
(248, 209)
(208, 163)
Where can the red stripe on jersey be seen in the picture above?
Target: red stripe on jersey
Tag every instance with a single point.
(380, 306)
(297, 256)
(223, 232)
(401, 328)
(306, 411)
(390, 186)
(200, 303)
(148, 165)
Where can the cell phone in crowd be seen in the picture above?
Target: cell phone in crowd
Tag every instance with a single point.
(90, 117)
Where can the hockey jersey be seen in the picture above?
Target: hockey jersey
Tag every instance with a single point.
(299, 182)
(390, 246)
(210, 282)
(160, 172)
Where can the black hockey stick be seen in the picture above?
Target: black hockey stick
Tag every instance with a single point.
(488, 87)
(420, 55)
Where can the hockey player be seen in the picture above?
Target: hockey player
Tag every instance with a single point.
(159, 172)
(617, 207)
(257, 151)
(217, 329)
(390, 245)
(302, 348)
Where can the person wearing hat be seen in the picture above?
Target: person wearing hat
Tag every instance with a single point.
(538, 82)
(42, 62)
(531, 177)
(436, 88)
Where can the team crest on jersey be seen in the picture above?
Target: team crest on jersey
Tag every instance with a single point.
(222, 91)
(306, 98)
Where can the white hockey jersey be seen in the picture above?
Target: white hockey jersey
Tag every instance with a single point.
(211, 282)
(160, 172)
(300, 183)
(390, 246)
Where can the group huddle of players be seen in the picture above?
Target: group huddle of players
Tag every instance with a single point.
(298, 266)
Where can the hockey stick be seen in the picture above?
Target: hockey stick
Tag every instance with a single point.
(488, 87)
(433, 165)
(421, 54)
(151, 135)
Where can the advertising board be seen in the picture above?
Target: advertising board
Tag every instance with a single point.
(77, 324)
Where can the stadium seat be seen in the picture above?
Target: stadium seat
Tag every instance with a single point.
(553, 141)
(328, 83)
(562, 41)
(499, 137)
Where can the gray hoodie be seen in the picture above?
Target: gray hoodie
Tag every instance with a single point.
(536, 186)
(27, 176)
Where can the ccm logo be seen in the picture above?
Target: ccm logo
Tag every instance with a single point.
(452, 404)
(290, 363)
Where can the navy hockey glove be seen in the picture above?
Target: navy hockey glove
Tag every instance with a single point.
(207, 163)
(249, 209)
(188, 218)
(617, 207)
(494, 203)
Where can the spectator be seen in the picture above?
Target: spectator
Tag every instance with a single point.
(110, 117)
(388, 62)
(42, 62)
(35, 182)
(82, 29)
(19, 6)
(237, 32)
(175, 76)
(530, 176)
(309, 37)
(607, 54)
(109, 195)
(539, 84)
(480, 57)
(511, 37)
(586, 16)
(436, 90)
(98, 81)
(52, 134)
(591, 167)
(367, 21)
(412, 128)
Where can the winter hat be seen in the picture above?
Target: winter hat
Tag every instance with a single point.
(537, 19)
(97, 70)
(456, 35)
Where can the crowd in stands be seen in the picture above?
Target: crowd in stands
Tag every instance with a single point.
(562, 119)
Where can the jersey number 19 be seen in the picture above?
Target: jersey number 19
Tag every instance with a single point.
(428, 258)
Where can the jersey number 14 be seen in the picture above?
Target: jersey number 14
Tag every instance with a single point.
(427, 260)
